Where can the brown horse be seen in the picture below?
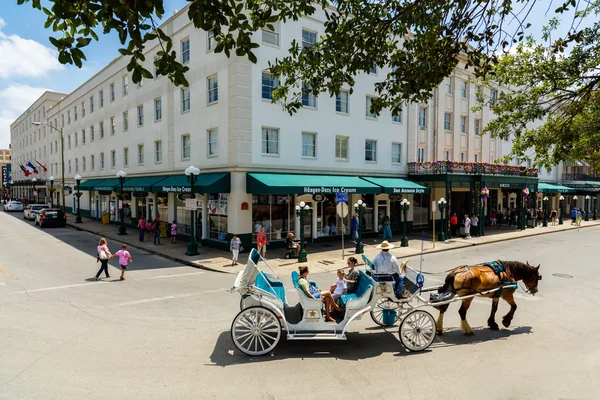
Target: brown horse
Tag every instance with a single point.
(475, 279)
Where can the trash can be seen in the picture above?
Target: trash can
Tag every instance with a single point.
(105, 218)
(389, 316)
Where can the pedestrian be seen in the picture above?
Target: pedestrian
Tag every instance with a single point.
(174, 228)
(387, 229)
(553, 216)
(149, 229)
(261, 242)
(234, 247)
(453, 224)
(475, 224)
(579, 217)
(156, 229)
(467, 227)
(103, 255)
(354, 228)
(494, 217)
(142, 226)
(124, 257)
(573, 216)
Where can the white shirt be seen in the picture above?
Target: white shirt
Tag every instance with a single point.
(339, 288)
(385, 263)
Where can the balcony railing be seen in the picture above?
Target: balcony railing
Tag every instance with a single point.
(468, 168)
(581, 177)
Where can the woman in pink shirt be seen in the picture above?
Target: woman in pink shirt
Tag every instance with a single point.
(149, 229)
(103, 255)
(261, 242)
(124, 258)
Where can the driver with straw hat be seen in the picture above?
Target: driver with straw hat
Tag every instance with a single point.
(387, 264)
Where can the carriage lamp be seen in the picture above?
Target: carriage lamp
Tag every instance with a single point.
(51, 179)
(442, 205)
(587, 207)
(192, 173)
(359, 207)
(405, 205)
(545, 211)
(560, 205)
(301, 211)
(122, 230)
(78, 195)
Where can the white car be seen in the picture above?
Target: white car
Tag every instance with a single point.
(32, 210)
(13, 205)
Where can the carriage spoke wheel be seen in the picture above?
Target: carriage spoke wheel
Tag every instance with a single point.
(256, 331)
(380, 305)
(417, 330)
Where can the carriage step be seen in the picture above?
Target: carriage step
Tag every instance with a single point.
(316, 336)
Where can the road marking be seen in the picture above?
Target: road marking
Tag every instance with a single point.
(4, 274)
(172, 276)
(60, 287)
(171, 297)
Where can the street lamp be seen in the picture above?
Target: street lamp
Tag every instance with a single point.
(78, 195)
(404, 204)
(560, 204)
(442, 206)
(62, 156)
(122, 230)
(33, 181)
(587, 207)
(301, 211)
(51, 179)
(574, 201)
(595, 204)
(544, 211)
(192, 175)
(359, 207)
(485, 193)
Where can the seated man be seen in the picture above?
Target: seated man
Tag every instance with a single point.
(387, 264)
(292, 243)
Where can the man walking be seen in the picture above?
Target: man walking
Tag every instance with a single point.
(467, 227)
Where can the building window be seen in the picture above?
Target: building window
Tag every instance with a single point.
(125, 85)
(101, 160)
(448, 122)
(158, 151)
(125, 121)
(140, 115)
(62, 119)
(140, 84)
(156, 61)
(420, 154)
(464, 89)
(308, 98)
(92, 162)
(477, 126)
(91, 104)
(126, 157)
(309, 144)
(309, 38)
(448, 86)
(82, 109)
(112, 92)
(270, 141)
(76, 139)
(92, 135)
(101, 129)
(50, 148)
(493, 96)
(370, 150)
(157, 109)
(113, 126)
(83, 164)
(210, 40)
(341, 147)
(463, 124)
(397, 115)
(185, 147)
(213, 142)
(140, 154)
(341, 102)
(83, 137)
(70, 169)
(68, 117)
(271, 36)
(373, 69)
(76, 165)
(368, 113)
(213, 89)
(185, 99)
(113, 159)
(397, 153)
(185, 51)
(269, 83)
(75, 113)
(447, 155)
(476, 158)
(101, 98)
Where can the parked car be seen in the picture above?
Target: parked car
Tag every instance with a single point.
(51, 217)
(31, 211)
(13, 205)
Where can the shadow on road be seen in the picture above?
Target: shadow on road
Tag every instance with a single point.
(456, 337)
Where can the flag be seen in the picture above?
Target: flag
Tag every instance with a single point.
(42, 165)
(32, 167)
(25, 170)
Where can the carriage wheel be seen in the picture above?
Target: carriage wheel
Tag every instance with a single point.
(256, 331)
(242, 303)
(417, 330)
(380, 304)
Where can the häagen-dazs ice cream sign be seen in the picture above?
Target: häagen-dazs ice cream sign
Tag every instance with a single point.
(328, 189)
(176, 189)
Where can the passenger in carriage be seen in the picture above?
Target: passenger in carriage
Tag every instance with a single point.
(339, 288)
(352, 276)
(313, 293)
(387, 264)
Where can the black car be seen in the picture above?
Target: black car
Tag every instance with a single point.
(51, 217)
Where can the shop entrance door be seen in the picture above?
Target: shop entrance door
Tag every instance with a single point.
(381, 214)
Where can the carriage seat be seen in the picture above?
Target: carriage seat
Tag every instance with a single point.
(361, 296)
(305, 301)
(270, 286)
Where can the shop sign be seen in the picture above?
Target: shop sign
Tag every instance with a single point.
(409, 190)
(134, 188)
(328, 189)
(510, 185)
(318, 197)
(176, 189)
(184, 196)
(140, 194)
(341, 197)
(104, 192)
(191, 204)
(395, 197)
(504, 185)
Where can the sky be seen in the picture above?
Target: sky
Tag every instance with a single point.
(29, 66)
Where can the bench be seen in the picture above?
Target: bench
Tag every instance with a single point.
(270, 286)
(361, 295)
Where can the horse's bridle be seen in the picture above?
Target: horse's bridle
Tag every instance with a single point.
(534, 289)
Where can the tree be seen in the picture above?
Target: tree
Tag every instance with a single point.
(418, 40)
(554, 107)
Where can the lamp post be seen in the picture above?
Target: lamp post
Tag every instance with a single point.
(523, 212)
(192, 175)
(442, 206)
(10, 188)
(587, 207)
(78, 195)
(574, 201)
(122, 230)
(51, 179)
(485, 192)
(33, 181)
(560, 205)
(595, 204)
(404, 204)
(544, 211)
(301, 210)
(62, 157)
(359, 207)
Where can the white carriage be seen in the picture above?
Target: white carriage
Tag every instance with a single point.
(266, 314)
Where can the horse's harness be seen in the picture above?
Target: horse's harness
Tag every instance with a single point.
(498, 270)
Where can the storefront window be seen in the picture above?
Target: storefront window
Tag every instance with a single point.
(274, 213)
(162, 206)
(420, 207)
(328, 221)
(126, 204)
(183, 217)
(217, 216)
(140, 203)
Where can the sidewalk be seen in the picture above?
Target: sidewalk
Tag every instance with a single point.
(324, 257)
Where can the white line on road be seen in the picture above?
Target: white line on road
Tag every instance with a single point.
(172, 276)
(171, 297)
(61, 287)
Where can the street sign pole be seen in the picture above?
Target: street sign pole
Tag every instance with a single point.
(433, 210)
(342, 211)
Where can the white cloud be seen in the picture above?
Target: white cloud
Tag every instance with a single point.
(25, 57)
(14, 100)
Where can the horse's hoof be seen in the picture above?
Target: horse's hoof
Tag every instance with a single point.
(494, 327)
(506, 323)
(470, 333)
(439, 333)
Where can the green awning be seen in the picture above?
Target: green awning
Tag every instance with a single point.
(142, 184)
(206, 183)
(90, 183)
(107, 185)
(545, 187)
(259, 183)
(398, 185)
(586, 189)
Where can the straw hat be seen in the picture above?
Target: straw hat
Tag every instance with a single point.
(385, 245)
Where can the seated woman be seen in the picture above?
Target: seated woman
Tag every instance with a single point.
(325, 296)
(292, 243)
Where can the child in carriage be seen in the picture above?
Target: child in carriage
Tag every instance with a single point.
(339, 287)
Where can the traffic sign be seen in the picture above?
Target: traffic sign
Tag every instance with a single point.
(342, 209)
(341, 197)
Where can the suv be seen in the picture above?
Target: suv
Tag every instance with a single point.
(13, 205)
(31, 210)
(51, 217)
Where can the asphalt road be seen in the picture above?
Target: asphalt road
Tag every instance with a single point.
(164, 332)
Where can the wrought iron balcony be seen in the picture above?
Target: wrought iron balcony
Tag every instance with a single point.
(468, 168)
(580, 177)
